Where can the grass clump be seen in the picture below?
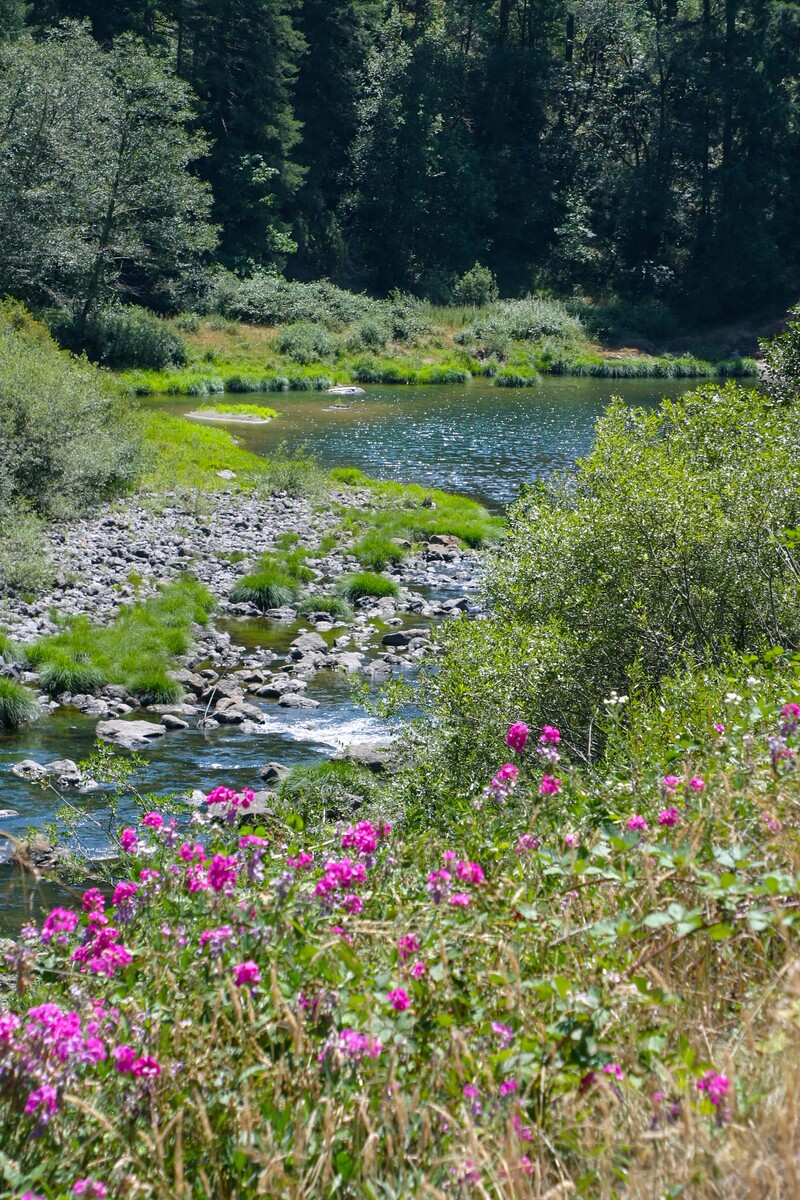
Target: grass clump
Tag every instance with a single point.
(326, 792)
(18, 705)
(239, 410)
(271, 585)
(367, 583)
(334, 606)
(377, 551)
(137, 649)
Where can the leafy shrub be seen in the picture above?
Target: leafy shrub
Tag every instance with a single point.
(326, 792)
(477, 286)
(65, 441)
(120, 337)
(782, 361)
(367, 583)
(295, 472)
(368, 334)
(530, 319)
(18, 705)
(305, 343)
(266, 299)
(25, 564)
(188, 322)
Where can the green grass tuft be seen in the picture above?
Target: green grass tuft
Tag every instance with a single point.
(18, 705)
(367, 583)
(334, 606)
(266, 588)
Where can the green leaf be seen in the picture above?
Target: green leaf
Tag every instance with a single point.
(657, 920)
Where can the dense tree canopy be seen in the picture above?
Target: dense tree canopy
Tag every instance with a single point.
(645, 148)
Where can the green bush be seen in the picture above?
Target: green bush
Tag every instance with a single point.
(326, 792)
(295, 472)
(509, 377)
(367, 583)
(18, 705)
(65, 440)
(25, 564)
(120, 337)
(477, 286)
(265, 299)
(368, 334)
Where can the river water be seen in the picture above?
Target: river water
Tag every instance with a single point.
(477, 440)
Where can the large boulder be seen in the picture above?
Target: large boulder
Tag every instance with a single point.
(376, 757)
(273, 772)
(131, 735)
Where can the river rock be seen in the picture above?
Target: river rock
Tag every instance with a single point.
(66, 772)
(378, 672)
(378, 758)
(272, 772)
(292, 700)
(171, 721)
(28, 769)
(396, 639)
(131, 735)
(307, 643)
(444, 539)
(350, 662)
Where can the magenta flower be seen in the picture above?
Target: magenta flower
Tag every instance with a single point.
(246, 973)
(527, 843)
(353, 904)
(92, 1189)
(517, 736)
(222, 872)
(192, 853)
(129, 841)
(550, 786)
(670, 782)
(399, 999)
(697, 784)
(124, 1058)
(470, 872)
(508, 1087)
(418, 970)
(470, 1092)
(123, 892)
(43, 1102)
(791, 710)
(771, 822)
(669, 817)
(613, 1069)
(145, 1068)
(59, 920)
(636, 822)
(550, 735)
(715, 1086)
(364, 837)
(719, 728)
(504, 1032)
(408, 945)
(504, 781)
(572, 840)
(459, 900)
(93, 901)
(153, 820)
(251, 839)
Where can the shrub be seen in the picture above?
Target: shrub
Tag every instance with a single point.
(295, 472)
(266, 299)
(368, 334)
(25, 564)
(18, 705)
(268, 587)
(367, 583)
(477, 286)
(334, 606)
(65, 441)
(120, 337)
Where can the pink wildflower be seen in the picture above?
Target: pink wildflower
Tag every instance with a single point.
(353, 904)
(129, 841)
(145, 1068)
(92, 1189)
(517, 736)
(59, 920)
(460, 900)
(470, 1092)
(124, 1058)
(697, 784)
(245, 973)
(572, 840)
(636, 822)
(408, 945)
(123, 892)
(613, 1069)
(222, 872)
(771, 822)
(399, 999)
(303, 859)
(504, 781)
(670, 782)
(504, 1032)
(550, 734)
(43, 1103)
(791, 710)
(192, 853)
(527, 843)
(418, 970)
(470, 872)
(153, 820)
(669, 817)
(719, 728)
(715, 1086)
(93, 901)
(550, 786)
(508, 1087)
(250, 839)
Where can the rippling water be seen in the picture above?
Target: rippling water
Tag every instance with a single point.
(475, 439)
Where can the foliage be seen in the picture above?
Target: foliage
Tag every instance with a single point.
(334, 606)
(25, 564)
(64, 439)
(782, 361)
(305, 343)
(18, 705)
(563, 990)
(186, 454)
(367, 584)
(477, 286)
(295, 472)
(269, 299)
(271, 585)
(120, 337)
(236, 410)
(137, 649)
(96, 154)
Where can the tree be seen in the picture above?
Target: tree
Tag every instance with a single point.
(12, 18)
(96, 197)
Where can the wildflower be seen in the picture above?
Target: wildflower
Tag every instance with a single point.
(522, 1131)
(791, 710)
(123, 892)
(245, 973)
(460, 900)
(124, 1058)
(93, 901)
(771, 822)
(508, 1087)
(399, 999)
(192, 853)
(353, 904)
(613, 1069)
(715, 1086)
(697, 784)
(670, 783)
(357, 1045)
(251, 839)
(504, 1032)
(527, 843)
(364, 837)
(59, 920)
(470, 872)
(550, 786)
(43, 1102)
(153, 820)
(145, 1068)
(550, 734)
(92, 1189)
(216, 938)
(572, 840)
(449, 856)
(408, 945)
(418, 970)
(129, 841)
(719, 728)
(504, 781)
(517, 736)
(196, 880)
(303, 859)
(669, 817)
(222, 873)
(636, 822)
(470, 1091)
